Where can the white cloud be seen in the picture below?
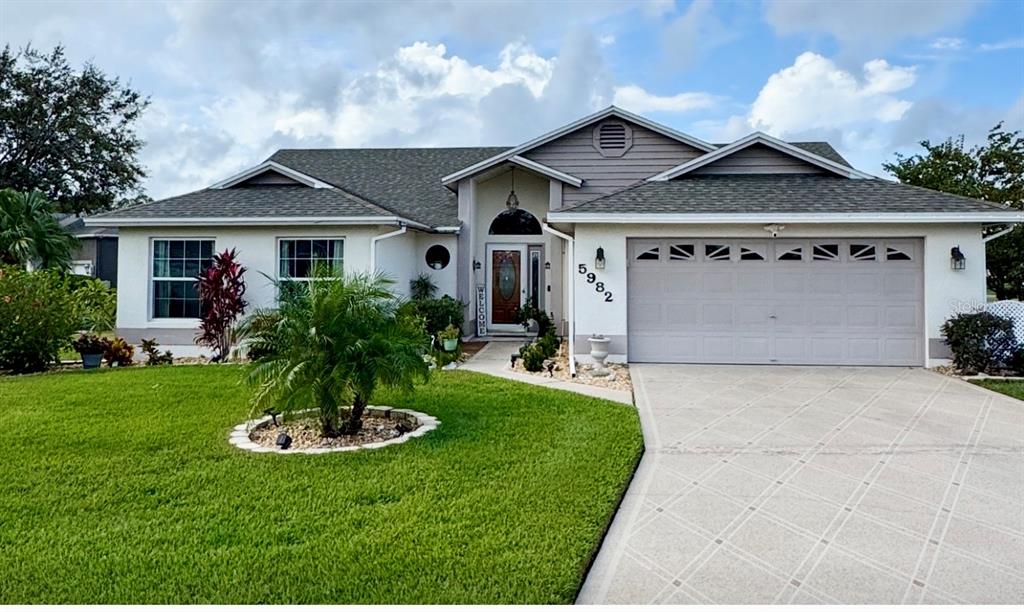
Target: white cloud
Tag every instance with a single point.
(607, 40)
(948, 44)
(694, 34)
(1013, 43)
(638, 100)
(814, 93)
(868, 26)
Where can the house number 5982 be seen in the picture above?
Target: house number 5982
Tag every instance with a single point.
(598, 285)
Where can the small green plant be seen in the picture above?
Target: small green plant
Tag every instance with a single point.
(422, 288)
(118, 352)
(533, 357)
(153, 356)
(980, 342)
(37, 319)
(449, 333)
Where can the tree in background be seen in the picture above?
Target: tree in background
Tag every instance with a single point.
(30, 234)
(993, 171)
(221, 289)
(67, 133)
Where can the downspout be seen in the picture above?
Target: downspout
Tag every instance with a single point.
(1003, 232)
(373, 245)
(571, 308)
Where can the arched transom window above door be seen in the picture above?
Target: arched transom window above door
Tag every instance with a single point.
(514, 221)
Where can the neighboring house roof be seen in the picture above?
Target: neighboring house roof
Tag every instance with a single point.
(75, 225)
(405, 181)
(768, 195)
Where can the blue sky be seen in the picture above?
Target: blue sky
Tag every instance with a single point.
(230, 82)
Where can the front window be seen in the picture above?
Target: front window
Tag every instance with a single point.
(176, 264)
(299, 258)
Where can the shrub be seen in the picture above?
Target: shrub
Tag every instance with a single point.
(258, 333)
(422, 288)
(90, 344)
(530, 313)
(118, 352)
(153, 356)
(549, 344)
(439, 313)
(36, 319)
(1017, 361)
(533, 357)
(95, 305)
(221, 287)
(980, 342)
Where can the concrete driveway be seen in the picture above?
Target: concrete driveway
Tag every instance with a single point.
(774, 484)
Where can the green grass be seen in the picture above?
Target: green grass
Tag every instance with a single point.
(1013, 388)
(120, 486)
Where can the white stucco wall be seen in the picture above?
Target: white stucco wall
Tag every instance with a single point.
(396, 258)
(945, 290)
(446, 278)
(257, 251)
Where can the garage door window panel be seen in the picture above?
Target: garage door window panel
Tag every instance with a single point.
(753, 252)
(789, 252)
(681, 252)
(862, 252)
(825, 252)
(647, 252)
(898, 251)
(717, 252)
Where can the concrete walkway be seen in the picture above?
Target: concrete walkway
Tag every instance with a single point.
(495, 359)
(824, 485)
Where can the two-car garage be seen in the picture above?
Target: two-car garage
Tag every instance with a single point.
(752, 301)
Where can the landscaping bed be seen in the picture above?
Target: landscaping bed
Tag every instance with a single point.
(122, 488)
(618, 379)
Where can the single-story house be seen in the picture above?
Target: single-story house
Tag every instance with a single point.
(678, 250)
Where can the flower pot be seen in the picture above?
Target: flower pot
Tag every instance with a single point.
(91, 360)
(599, 352)
(450, 344)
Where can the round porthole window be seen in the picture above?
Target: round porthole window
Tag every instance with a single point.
(438, 257)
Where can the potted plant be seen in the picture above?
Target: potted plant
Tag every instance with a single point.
(91, 348)
(449, 337)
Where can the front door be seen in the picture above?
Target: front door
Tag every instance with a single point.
(506, 285)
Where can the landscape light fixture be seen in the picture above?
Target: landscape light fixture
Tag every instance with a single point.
(273, 415)
(957, 260)
(283, 440)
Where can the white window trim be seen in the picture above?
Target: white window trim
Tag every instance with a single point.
(151, 285)
(277, 258)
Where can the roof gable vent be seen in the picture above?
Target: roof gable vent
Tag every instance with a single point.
(613, 138)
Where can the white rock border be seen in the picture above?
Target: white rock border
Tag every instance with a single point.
(239, 436)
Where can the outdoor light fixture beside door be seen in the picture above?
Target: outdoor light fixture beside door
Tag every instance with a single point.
(957, 260)
(599, 260)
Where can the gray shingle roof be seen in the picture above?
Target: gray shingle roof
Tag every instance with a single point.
(254, 202)
(819, 148)
(406, 181)
(791, 193)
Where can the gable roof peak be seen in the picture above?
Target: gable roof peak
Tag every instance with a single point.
(767, 140)
(604, 113)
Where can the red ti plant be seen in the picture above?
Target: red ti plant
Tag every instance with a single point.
(221, 287)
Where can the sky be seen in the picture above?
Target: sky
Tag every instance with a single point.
(231, 82)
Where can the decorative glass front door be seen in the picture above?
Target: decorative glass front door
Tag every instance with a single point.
(506, 285)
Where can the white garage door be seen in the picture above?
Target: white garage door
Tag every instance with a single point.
(821, 301)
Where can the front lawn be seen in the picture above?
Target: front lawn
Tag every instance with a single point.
(1013, 388)
(121, 487)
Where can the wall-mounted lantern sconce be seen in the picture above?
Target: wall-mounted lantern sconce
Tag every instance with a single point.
(476, 265)
(599, 260)
(547, 265)
(957, 260)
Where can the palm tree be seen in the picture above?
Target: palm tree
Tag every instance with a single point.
(30, 234)
(333, 345)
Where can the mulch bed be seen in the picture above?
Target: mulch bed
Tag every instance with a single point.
(305, 433)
